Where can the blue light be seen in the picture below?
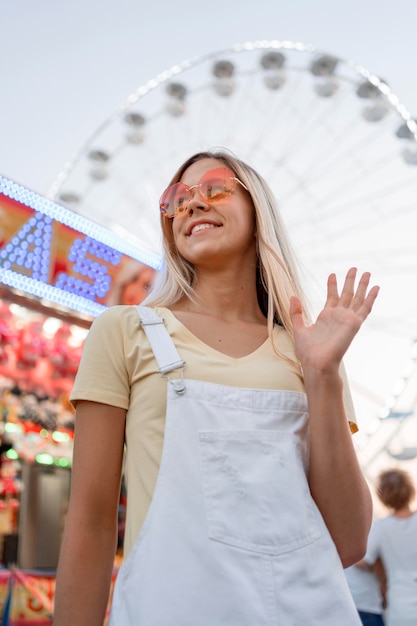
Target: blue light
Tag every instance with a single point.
(18, 247)
(78, 222)
(29, 252)
(48, 292)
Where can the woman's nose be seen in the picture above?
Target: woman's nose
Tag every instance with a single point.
(197, 201)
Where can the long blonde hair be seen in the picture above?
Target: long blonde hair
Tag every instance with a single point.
(277, 272)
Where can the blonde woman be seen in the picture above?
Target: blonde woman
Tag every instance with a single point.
(245, 498)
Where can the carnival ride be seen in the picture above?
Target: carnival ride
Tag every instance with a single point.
(340, 152)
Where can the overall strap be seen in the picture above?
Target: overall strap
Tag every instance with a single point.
(163, 347)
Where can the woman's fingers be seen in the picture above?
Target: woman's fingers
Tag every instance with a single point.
(296, 312)
(362, 289)
(348, 291)
(368, 303)
(351, 297)
(332, 292)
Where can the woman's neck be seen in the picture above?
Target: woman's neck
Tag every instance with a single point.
(225, 296)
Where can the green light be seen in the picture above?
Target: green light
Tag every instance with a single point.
(62, 462)
(12, 454)
(59, 436)
(45, 459)
(10, 427)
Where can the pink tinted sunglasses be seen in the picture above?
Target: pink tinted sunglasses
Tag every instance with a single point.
(215, 186)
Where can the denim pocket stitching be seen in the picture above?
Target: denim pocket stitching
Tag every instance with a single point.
(222, 472)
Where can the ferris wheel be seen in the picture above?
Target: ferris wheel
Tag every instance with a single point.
(336, 145)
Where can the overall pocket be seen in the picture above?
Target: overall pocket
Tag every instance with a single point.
(256, 491)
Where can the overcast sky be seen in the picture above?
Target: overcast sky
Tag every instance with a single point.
(65, 66)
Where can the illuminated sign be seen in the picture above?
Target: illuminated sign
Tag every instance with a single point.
(50, 252)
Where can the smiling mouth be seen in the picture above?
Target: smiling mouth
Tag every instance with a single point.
(199, 227)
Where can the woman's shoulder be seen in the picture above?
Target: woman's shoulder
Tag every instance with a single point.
(122, 320)
(117, 315)
(117, 321)
(283, 341)
(281, 334)
(123, 314)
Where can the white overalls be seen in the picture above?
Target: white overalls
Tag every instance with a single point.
(233, 536)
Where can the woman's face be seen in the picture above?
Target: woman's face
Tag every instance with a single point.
(212, 234)
(137, 289)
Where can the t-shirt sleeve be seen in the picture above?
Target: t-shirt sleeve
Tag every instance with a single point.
(374, 542)
(347, 396)
(103, 373)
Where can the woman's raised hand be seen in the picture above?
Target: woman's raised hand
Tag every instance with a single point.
(323, 344)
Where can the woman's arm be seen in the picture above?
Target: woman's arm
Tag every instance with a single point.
(336, 480)
(90, 536)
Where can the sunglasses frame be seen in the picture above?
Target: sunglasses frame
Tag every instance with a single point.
(188, 189)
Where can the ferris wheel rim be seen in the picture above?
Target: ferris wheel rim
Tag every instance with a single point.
(174, 70)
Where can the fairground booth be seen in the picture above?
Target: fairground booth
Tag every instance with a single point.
(58, 270)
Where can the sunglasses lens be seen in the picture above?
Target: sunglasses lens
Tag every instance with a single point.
(217, 184)
(174, 200)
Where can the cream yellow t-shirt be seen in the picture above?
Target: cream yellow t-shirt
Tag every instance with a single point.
(117, 360)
